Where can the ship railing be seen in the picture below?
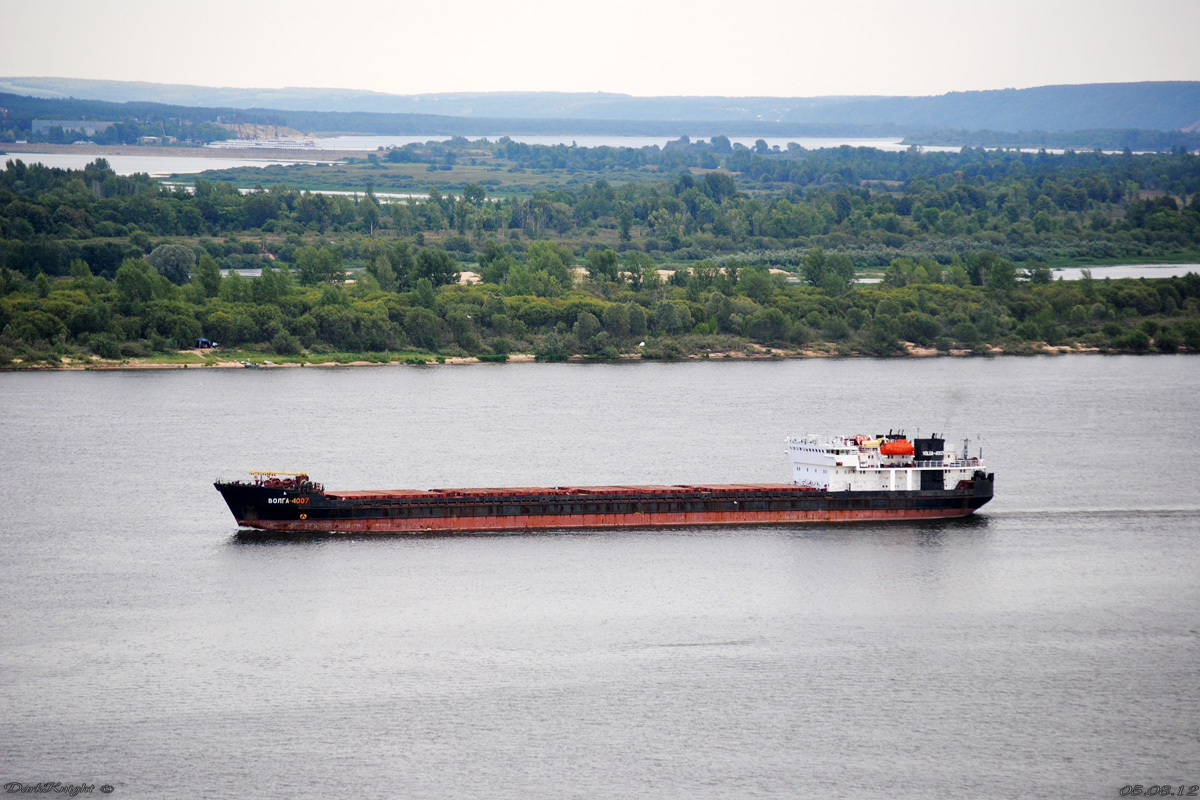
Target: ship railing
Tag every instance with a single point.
(938, 463)
(933, 463)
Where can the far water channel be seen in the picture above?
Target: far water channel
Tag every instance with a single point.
(156, 166)
(1047, 647)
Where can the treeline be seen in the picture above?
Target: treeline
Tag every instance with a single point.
(92, 263)
(408, 301)
(131, 132)
(869, 205)
(131, 120)
(1178, 171)
(1133, 140)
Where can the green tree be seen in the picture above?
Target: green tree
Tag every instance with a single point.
(1038, 272)
(369, 212)
(34, 326)
(400, 256)
(496, 270)
(814, 266)
(767, 325)
(436, 265)
(271, 285)
(586, 327)
(552, 259)
(474, 194)
(904, 271)
(616, 320)
(332, 295)
(757, 284)
(80, 271)
(208, 276)
(285, 344)
(139, 283)
(839, 274)
(235, 289)
(919, 327)
(381, 269)
(837, 329)
(643, 272)
(602, 264)
(666, 318)
(625, 225)
(819, 266)
(987, 268)
(319, 265)
(637, 321)
(424, 294)
(424, 328)
(956, 274)
(521, 280)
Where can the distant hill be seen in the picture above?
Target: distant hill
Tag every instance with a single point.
(1163, 105)
(1160, 106)
(19, 111)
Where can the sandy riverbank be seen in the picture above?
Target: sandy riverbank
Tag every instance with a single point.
(758, 354)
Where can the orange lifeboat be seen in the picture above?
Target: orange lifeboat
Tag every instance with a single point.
(897, 447)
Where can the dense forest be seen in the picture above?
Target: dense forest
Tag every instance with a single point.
(668, 256)
(130, 121)
(678, 203)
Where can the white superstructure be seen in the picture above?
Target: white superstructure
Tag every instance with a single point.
(881, 463)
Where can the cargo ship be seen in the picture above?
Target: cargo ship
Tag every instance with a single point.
(834, 479)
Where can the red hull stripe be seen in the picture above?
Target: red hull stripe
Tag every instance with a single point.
(566, 521)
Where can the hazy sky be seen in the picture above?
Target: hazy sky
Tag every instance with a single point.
(641, 47)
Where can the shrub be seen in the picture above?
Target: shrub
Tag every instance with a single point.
(134, 350)
(105, 345)
(285, 344)
(1136, 340)
(1168, 339)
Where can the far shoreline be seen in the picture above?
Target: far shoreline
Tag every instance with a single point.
(768, 354)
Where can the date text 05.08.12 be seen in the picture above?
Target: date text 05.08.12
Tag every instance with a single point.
(1163, 790)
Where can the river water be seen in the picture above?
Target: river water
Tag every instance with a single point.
(1049, 645)
(1115, 271)
(156, 166)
